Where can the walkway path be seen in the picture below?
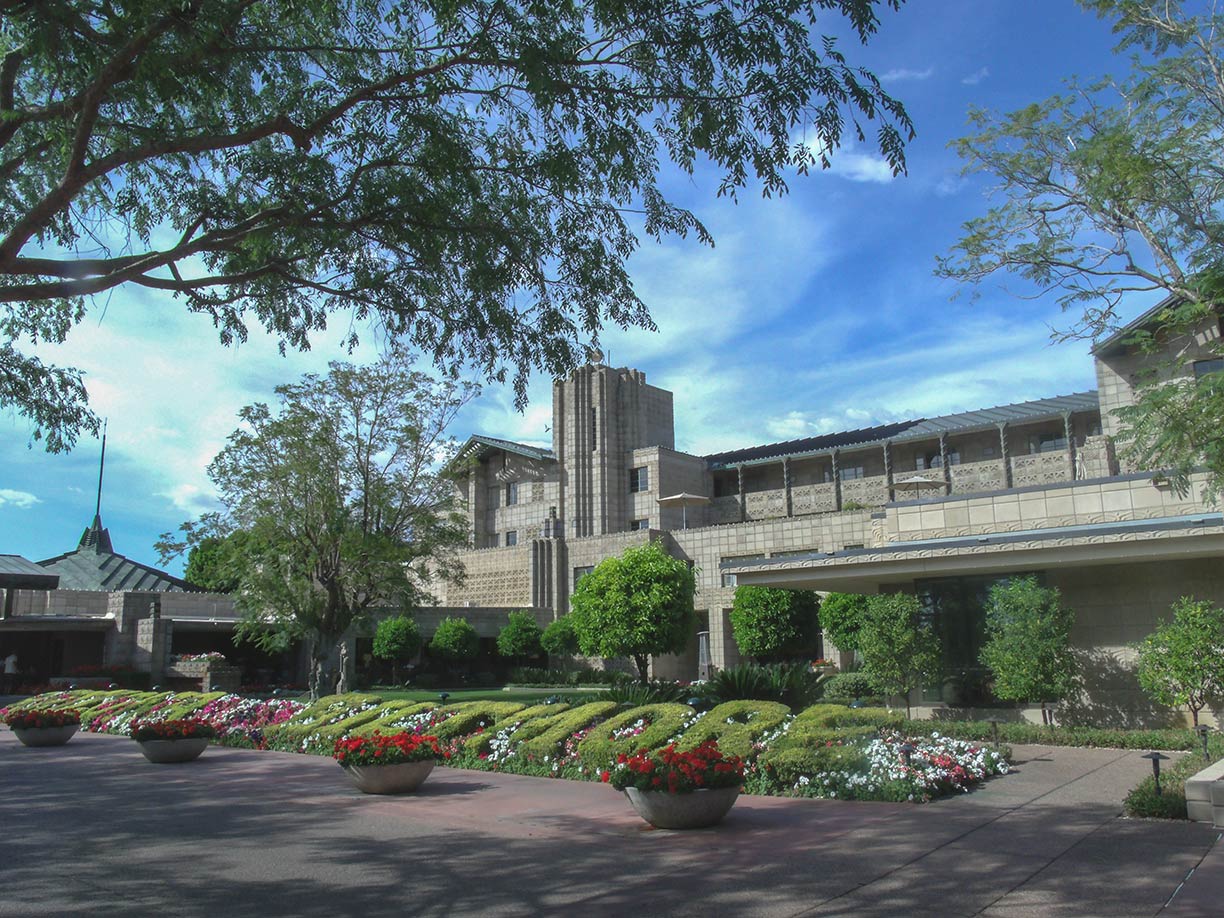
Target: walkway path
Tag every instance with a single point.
(93, 827)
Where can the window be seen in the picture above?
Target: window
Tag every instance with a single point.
(580, 572)
(594, 432)
(729, 580)
(511, 493)
(511, 537)
(1047, 442)
(935, 461)
(988, 452)
(849, 472)
(639, 479)
(1204, 367)
(639, 524)
(853, 547)
(494, 497)
(725, 486)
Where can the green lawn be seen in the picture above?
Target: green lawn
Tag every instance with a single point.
(524, 695)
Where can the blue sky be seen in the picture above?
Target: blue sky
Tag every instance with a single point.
(815, 312)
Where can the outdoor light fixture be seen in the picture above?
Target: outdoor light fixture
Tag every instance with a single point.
(1156, 758)
(1204, 731)
(442, 696)
(113, 685)
(994, 732)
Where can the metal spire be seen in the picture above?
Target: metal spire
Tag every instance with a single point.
(101, 468)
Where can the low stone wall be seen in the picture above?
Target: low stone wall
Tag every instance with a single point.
(212, 676)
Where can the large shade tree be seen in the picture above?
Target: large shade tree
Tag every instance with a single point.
(472, 175)
(338, 487)
(1112, 190)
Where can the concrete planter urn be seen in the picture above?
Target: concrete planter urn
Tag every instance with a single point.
(172, 752)
(46, 736)
(400, 778)
(693, 810)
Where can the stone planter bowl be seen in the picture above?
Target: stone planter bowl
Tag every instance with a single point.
(46, 736)
(170, 752)
(696, 810)
(401, 778)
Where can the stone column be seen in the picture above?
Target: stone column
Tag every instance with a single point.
(1069, 432)
(837, 490)
(1003, 454)
(786, 484)
(943, 461)
(888, 471)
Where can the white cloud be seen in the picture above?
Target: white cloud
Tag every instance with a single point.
(22, 500)
(851, 163)
(950, 185)
(976, 77)
(905, 74)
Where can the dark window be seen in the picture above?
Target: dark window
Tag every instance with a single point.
(594, 432)
(511, 493)
(639, 479)
(580, 572)
(725, 486)
(639, 524)
(1047, 442)
(511, 537)
(1205, 367)
(849, 472)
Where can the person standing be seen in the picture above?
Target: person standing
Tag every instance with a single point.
(10, 673)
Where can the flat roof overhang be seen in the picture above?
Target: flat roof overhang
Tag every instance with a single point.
(863, 570)
(55, 623)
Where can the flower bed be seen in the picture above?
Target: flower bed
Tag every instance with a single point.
(39, 720)
(824, 751)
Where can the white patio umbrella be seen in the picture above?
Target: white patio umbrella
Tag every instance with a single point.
(916, 483)
(683, 499)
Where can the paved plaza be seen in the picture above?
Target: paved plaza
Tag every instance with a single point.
(92, 828)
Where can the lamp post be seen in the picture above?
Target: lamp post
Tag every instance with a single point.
(1156, 758)
(1204, 731)
(442, 696)
(907, 750)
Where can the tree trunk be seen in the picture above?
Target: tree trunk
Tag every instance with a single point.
(643, 667)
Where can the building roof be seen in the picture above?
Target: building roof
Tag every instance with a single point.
(21, 573)
(1145, 319)
(478, 444)
(921, 428)
(94, 565)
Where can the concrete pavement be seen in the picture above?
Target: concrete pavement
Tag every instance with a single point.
(93, 828)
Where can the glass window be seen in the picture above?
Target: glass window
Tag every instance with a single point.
(511, 537)
(639, 524)
(639, 479)
(729, 580)
(511, 493)
(580, 572)
(1204, 367)
(849, 472)
(1047, 442)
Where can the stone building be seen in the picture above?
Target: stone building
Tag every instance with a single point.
(941, 507)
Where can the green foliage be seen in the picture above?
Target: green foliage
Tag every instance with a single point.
(600, 748)
(1142, 801)
(397, 639)
(837, 716)
(455, 639)
(521, 637)
(844, 688)
(1113, 187)
(786, 764)
(472, 715)
(274, 164)
(900, 651)
(1024, 733)
(391, 714)
(636, 605)
(583, 675)
(841, 616)
(1028, 642)
(640, 693)
(543, 736)
(343, 515)
(559, 638)
(736, 725)
(1182, 662)
(215, 562)
(794, 684)
(770, 623)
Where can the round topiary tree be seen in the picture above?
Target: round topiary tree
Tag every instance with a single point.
(455, 640)
(559, 638)
(772, 624)
(396, 640)
(1028, 643)
(1182, 662)
(634, 606)
(520, 637)
(841, 616)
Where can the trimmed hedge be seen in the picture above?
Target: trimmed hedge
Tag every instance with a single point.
(390, 712)
(1037, 735)
(314, 719)
(543, 736)
(483, 743)
(786, 764)
(599, 748)
(736, 725)
(472, 715)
